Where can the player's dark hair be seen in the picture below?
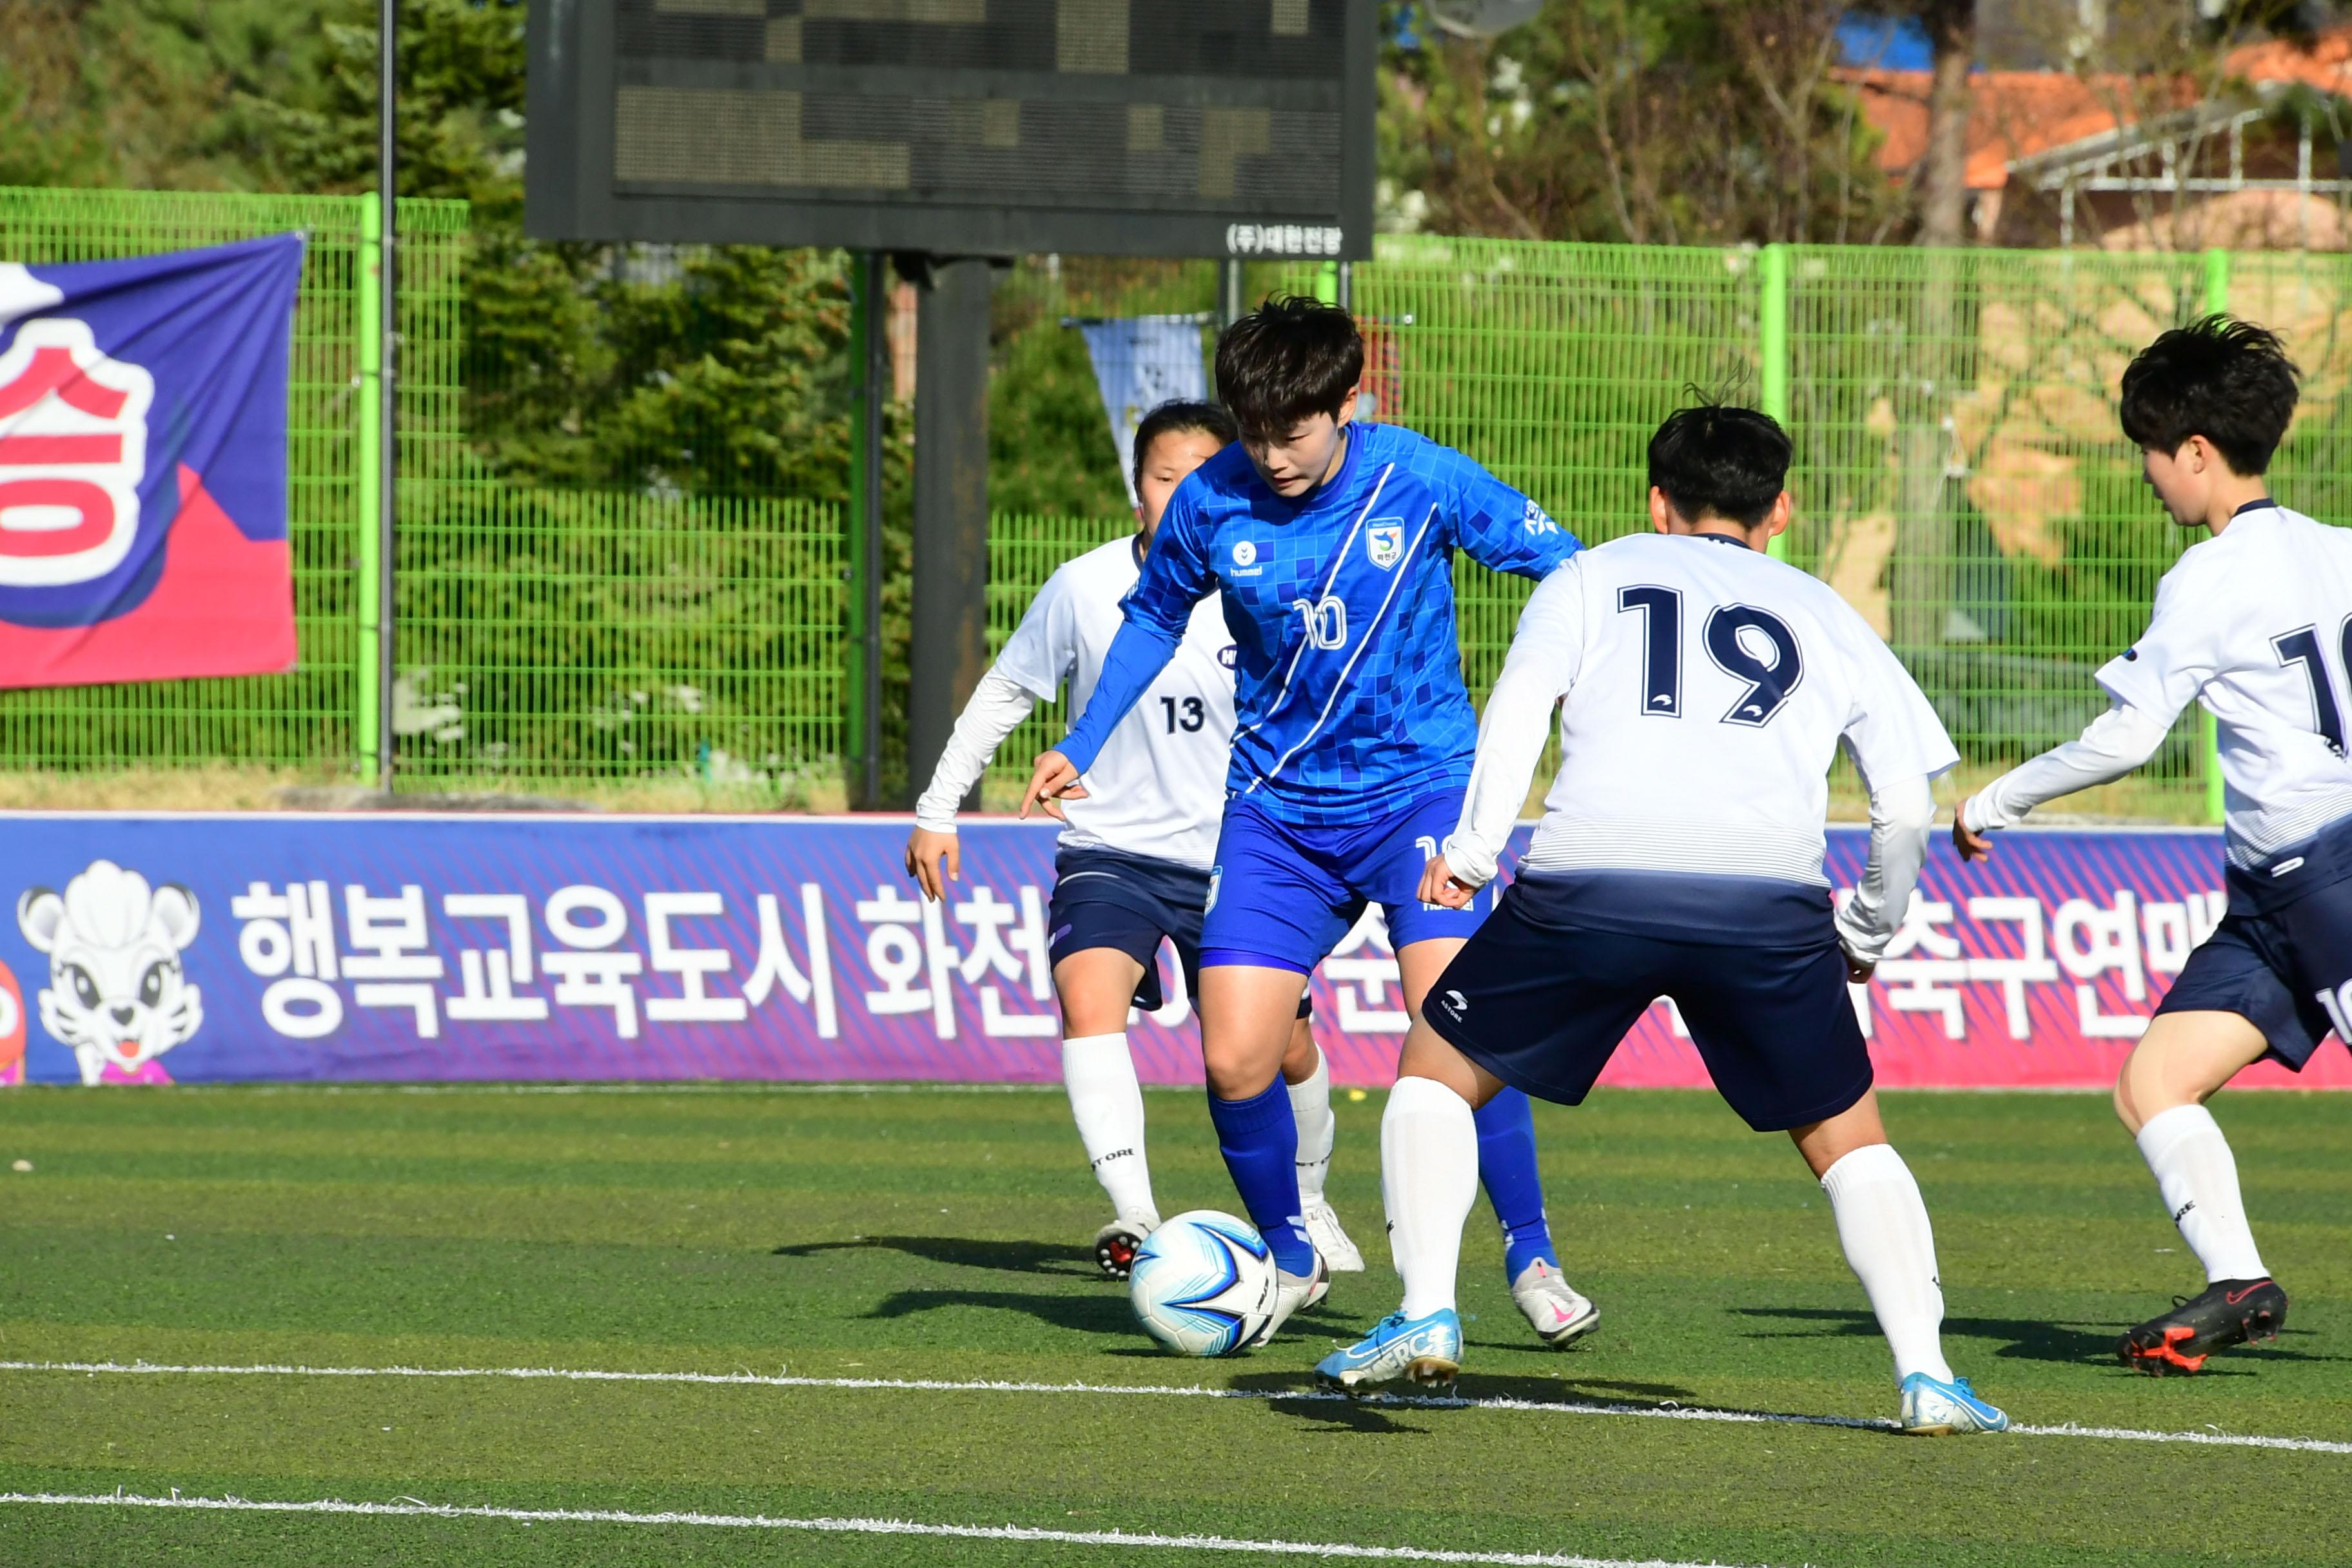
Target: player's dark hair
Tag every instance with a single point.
(1287, 361)
(2226, 380)
(1719, 460)
(1185, 415)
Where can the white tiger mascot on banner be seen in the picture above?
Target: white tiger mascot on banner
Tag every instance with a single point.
(117, 993)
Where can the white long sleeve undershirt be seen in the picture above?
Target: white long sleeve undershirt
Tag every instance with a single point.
(1511, 736)
(2112, 745)
(997, 707)
(1901, 815)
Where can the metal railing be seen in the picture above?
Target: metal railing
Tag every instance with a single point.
(1959, 479)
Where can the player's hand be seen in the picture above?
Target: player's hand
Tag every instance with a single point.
(1971, 844)
(1054, 781)
(1440, 886)
(925, 850)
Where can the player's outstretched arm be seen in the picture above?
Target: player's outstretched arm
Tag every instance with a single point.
(1546, 651)
(1902, 818)
(2113, 744)
(2154, 679)
(997, 705)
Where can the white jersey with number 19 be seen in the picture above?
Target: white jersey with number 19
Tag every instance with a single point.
(1708, 688)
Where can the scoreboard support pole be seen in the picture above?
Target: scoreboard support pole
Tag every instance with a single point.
(950, 648)
(869, 339)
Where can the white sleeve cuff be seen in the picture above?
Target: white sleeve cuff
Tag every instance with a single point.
(1472, 864)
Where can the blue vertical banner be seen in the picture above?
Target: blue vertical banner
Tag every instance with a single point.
(1140, 363)
(142, 466)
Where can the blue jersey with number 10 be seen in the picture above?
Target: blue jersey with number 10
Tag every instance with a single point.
(1349, 698)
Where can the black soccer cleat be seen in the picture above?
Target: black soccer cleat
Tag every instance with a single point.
(1115, 1247)
(2229, 1312)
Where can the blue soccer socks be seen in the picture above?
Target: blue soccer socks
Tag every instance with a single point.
(1506, 1164)
(1259, 1139)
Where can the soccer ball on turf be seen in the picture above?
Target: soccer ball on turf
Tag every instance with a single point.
(1201, 1284)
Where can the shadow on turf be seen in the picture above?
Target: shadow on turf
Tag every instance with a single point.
(1086, 1315)
(2069, 1343)
(963, 1252)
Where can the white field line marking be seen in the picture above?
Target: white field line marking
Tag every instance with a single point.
(1164, 1391)
(410, 1507)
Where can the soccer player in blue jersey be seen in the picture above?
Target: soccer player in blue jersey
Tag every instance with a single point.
(1331, 539)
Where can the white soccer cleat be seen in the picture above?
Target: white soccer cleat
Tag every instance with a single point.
(1554, 1309)
(1324, 1231)
(1292, 1292)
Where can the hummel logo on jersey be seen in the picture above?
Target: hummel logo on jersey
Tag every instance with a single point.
(1384, 543)
(1245, 553)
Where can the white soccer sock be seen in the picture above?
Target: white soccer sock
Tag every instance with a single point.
(1883, 1225)
(2199, 1178)
(1108, 1105)
(1429, 1179)
(1310, 1107)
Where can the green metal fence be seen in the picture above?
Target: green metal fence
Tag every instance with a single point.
(1959, 479)
(306, 719)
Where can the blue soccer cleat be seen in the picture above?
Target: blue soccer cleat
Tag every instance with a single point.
(1428, 1349)
(1933, 1409)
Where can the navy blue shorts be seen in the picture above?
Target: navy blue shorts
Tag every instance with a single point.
(1286, 894)
(2282, 971)
(1540, 998)
(1130, 903)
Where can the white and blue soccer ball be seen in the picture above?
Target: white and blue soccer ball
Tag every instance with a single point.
(1202, 1284)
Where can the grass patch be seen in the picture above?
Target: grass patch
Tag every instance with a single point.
(941, 1235)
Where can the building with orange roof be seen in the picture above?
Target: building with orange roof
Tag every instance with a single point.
(2066, 158)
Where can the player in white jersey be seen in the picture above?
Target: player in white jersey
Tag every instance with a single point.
(1707, 688)
(2256, 623)
(1132, 867)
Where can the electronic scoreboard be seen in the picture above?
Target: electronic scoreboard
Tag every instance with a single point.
(1225, 128)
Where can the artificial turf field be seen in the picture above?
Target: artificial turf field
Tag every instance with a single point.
(850, 1237)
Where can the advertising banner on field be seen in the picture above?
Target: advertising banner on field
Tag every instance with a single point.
(142, 466)
(395, 947)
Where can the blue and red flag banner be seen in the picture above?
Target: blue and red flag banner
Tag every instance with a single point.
(152, 948)
(142, 466)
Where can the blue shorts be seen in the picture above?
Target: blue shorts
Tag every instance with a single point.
(2271, 968)
(1544, 992)
(1284, 895)
(1130, 903)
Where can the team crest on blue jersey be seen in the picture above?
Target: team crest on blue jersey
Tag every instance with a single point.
(1538, 521)
(1384, 544)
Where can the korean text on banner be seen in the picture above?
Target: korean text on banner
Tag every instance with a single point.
(142, 466)
(234, 948)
